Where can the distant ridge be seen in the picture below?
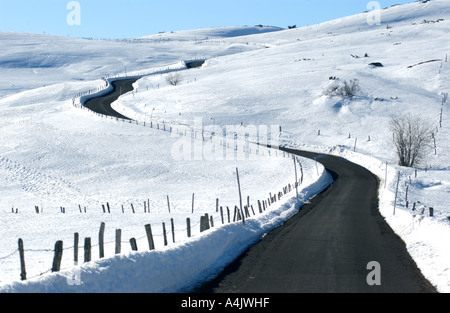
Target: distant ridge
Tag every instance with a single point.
(215, 32)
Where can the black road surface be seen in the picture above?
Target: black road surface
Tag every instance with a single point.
(327, 247)
(103, 103)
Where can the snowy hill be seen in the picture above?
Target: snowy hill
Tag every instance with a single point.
(214, 33)
(54, 154)
(45, 60)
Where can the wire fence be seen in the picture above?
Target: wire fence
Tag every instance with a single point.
(247, 146)
(169, 234)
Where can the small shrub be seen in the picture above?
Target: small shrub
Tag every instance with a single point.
(345, 89)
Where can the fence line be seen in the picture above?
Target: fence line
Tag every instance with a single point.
(240, 145)
(181, 130)
(79, 99)
(206, 223)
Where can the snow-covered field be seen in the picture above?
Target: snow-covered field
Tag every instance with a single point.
(53, 154)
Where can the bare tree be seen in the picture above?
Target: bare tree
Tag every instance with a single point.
(412, 139)
(173, 79)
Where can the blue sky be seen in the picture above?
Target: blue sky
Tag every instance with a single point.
(135, 18)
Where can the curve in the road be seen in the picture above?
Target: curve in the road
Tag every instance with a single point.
(329, 246)
(102, 104)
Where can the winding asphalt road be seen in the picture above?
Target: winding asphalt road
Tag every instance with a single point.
(103, 103)
(327, 247)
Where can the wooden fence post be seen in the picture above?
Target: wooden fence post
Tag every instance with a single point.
(168, 203)
(58, 256)
(75, 248)
(133, 244)
(148, 230)
(188, 227)
(204, 223)
(240, 196)
(237, 213)
(173, 230)
(87, 249)
(164, 233)
(247, 214)
(101, 237)
(23, 273)
(193, 195)
(118, 241)
(396, 192)
(406, 197)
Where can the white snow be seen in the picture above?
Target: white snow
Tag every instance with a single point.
(53, 154)
(213, 33)
(175, 268)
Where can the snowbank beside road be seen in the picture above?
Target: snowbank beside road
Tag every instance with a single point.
(177, 268)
